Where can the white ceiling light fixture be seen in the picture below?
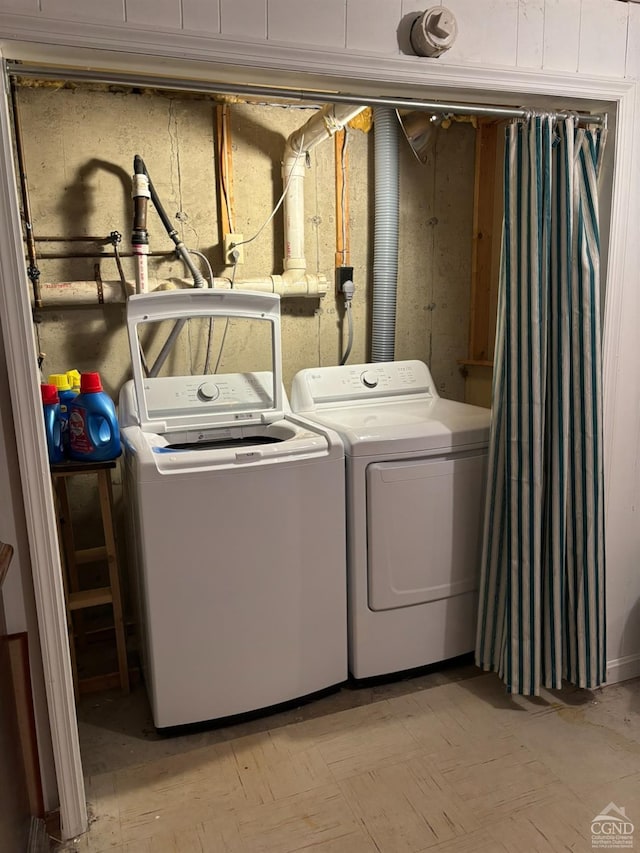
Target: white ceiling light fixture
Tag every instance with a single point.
(420, 130)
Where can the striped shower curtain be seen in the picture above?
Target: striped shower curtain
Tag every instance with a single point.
(541, 616)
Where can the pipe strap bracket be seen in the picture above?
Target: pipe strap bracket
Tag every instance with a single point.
(100, 289)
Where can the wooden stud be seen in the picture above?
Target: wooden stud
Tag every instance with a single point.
(480, 345)
(225, 169)
(343, 254)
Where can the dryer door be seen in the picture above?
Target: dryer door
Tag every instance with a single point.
(424, 528)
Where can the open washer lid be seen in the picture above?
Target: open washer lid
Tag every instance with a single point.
(171, 332)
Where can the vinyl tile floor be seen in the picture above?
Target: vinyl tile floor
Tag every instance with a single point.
(445, 762)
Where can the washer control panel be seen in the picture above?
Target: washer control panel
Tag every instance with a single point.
(173, 395)
(360, 382)
(370, 378)
(208, 391)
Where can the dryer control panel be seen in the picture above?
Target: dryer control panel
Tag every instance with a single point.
(315, 387)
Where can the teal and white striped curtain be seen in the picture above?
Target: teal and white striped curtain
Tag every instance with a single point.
(541, 615)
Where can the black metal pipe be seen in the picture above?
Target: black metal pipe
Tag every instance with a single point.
(139, 235)
(140, 168)
(198, 278)
(181, 249)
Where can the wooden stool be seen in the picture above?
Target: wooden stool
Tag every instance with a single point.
(75, 598)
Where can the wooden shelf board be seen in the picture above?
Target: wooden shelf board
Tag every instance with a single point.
(90, 598)
(471, 362)
(91, 555)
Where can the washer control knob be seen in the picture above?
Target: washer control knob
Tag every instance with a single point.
(208, 391)
(369, 379)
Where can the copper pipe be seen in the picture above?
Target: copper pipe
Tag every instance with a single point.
(74, 239)
(32, 271)
(59, 256)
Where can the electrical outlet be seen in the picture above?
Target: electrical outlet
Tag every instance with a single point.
(229, 241)
(343, 274)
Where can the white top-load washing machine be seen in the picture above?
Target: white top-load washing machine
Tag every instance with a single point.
(236, 518)
(415, 501)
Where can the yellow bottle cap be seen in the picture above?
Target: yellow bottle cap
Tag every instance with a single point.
(74, 378)
(60, 380)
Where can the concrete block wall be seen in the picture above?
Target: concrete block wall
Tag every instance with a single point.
(80, 184)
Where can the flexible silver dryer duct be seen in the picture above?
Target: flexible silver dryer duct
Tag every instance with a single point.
(385, 247)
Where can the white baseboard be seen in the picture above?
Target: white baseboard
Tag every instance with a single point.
(622, 669)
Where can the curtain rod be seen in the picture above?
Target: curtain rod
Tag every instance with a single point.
(17, 69)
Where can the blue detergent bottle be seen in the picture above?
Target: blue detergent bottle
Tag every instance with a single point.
(93, 424)
(52, 422)
(65, 394)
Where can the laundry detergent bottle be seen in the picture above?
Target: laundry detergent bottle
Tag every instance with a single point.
(65, 394)
(53, 422)
(94, 434)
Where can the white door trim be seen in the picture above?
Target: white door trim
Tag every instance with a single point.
(17, 330)
(37, 39)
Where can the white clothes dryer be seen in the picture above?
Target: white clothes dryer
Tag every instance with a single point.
(416, 467)
(236, 522)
